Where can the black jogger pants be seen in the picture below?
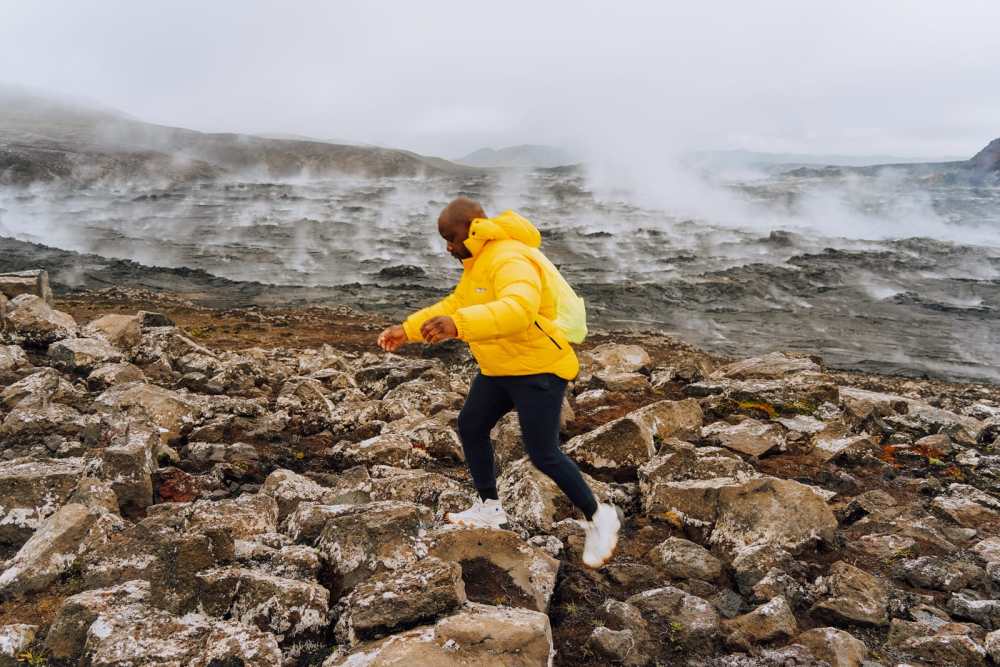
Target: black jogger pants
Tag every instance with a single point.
(538, 401)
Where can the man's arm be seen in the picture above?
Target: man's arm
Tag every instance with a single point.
(518, 287)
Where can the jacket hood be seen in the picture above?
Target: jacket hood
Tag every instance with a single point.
(507, 225)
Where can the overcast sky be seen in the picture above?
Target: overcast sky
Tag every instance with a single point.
(910, 78)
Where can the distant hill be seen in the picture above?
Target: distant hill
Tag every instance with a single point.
(744, 158)
(45, 138)
(525, 156)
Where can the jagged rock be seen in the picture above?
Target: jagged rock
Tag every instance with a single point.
(357, 420)
(769, 621)
(536, 502)
(625, 637)
(378, 378)
(850, 447)
(306, 401)
(33, 281)
(30, 491)
(13, 363)
(802, 393)
(684, 559)
(279, 605)
(529, 569)
(289, 489)
(165, 346)
(82, 355)
(837, 647)
(621, 382)
(32, 421)
(122, 331)
(853, 596)
(749, 437)
(415, 486)
(349, 487)
(988, 549)
(778, 583)
(947, 644)
(477, 635)
(43, 386)
(109, 375)
(616, 646)
(671, 419)
(150, 319)
(615, 449)
(752, 563)
(993, 645)
(394, 601)
(391, 449)
(243, 518)
(967, 506)
(172, 412)
(68, 633)
(435, 436)
(128, 463)
(616, 358)
(885, 546)
(36, 323)
(772, 366)
(424, 396)
(236, 456)
(984, 612)
(14, 639)
(938, 574)
(923, 419)
(693, 621)
(55, 547)
(357, 541)
(296, 561)
(774, 511)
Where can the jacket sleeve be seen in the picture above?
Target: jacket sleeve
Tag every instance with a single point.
(518, 288)
(446, 306)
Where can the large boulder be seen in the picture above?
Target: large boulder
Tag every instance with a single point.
(693, 622)
(616, 358)
(671, 419)
(853, 596)
(282, 606)
(394, 601)
(750, 437)
(172, 412)
(802, 393)
(391, 449)
(837, 647)
(108, 375)
(615, 449)
(36, 323)
(779, 512)
(121, 331)
(683, 559)
(128, 463)
(357, 541)
(772, 366)
(772, 620)
(476, 635)
(82, 355)
(290, 489)
(30, 491)
(500, 555)
(14, 363)
(43, 386)
(34, 282)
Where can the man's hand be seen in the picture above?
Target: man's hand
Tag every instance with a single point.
(439, 329)
(392, 338)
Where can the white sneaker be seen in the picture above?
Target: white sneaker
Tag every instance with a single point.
(602, 536)
(488, 514)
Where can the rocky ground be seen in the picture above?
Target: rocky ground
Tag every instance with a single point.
(261, 486)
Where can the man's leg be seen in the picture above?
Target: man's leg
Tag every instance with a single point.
(538, 399)
(486, 403)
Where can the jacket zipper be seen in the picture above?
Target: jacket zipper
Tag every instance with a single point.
(547, 335)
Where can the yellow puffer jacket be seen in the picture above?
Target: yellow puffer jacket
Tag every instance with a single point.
(502, 307)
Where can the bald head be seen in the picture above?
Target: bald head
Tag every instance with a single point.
(454, 221)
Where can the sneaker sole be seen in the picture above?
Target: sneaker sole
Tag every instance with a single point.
(465, 523)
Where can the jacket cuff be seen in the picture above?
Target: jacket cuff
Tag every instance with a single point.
(412, 331)
(461, 324)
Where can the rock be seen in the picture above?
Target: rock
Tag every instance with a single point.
(752, 563)
(853, 596)
(358, 541)
(394, 601)
(803, 393)
(938, 574)
(34, 282)
(772, 366)
(617, 647)
(683, 559)
(415, 486)
(68, 632)
(777, 583)
(988, 549)
(993, 645)
(237, 457)
(518, 565)
(427, 395)
(171, 412)
(692, 621)
(306, 401)
(984, 612)
(43, 386)
(435, 436)
(967, 506)
(769, 621)
(391, 449)
(536, 502)
(671, 419)
(166, 346)
(779, 512)
(33, 421)
(625, 637)
(82, 355)
(349, 487)
(948, 644)
(749, 437)
(289, 489)
(109, 375)
(275, 604)
(243, 518)
(31, 490)
(149, 319)
(621, 382)
(885, 546)
(848, 447)
(122, 331)
(55, 546)
(617, 358)
(13, 363)
(615, 449)
(128, 463)
(376, 379)
(838, 648)
(476, 635)
(14, 639)
(36, 323)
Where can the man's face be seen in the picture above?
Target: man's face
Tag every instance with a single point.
(454, 234)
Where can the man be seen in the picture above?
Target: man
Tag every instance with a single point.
(503, 308)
